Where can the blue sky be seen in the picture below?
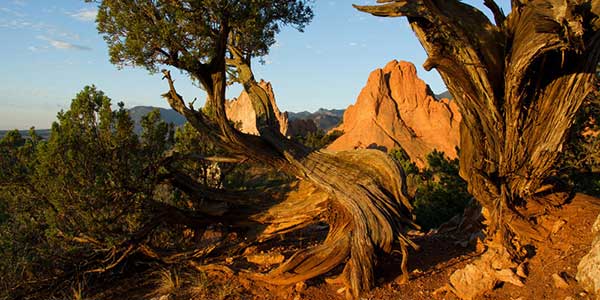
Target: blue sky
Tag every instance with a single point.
(51, 50)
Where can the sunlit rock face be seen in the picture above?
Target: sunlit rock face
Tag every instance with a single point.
(240, 111)
(397, 109)
(588, 270)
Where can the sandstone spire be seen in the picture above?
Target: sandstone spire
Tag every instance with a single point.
(240, 110)
(397, 109)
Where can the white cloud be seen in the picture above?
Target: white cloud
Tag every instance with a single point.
(47, 29)
(65, 45)
(86, 15)
(13, 12)
(62, 45)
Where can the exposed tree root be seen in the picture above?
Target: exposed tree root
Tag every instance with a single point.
(365, 201)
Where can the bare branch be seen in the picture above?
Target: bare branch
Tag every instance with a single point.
(499, 16)
(174, 99)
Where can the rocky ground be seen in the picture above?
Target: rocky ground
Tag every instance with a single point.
(551, 272)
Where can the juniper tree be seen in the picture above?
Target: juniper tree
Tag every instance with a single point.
(214, 42)
(518, 80)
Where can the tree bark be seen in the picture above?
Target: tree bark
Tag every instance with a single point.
(518, 84)
(367, 207)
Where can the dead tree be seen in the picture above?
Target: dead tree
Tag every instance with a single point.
(518, 81)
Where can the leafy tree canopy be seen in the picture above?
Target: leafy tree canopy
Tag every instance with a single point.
(192, 34)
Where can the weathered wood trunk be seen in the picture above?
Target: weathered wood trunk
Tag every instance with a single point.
(367, 207)
(518, 83)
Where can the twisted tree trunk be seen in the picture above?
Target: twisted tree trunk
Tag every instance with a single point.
(518, 84)
(367, 207)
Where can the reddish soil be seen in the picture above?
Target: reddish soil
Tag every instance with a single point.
(430, 268)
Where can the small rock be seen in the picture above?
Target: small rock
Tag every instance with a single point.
(569, 298)
(559, 282)
(300, 286)
(558, 225)
(509, 276)
(471, 281)
(588, 269)
(522, 270)
(163, 297)
(250, 250)
(596, 226)
(265, 259)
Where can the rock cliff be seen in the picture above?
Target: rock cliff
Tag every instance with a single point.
(397, 109)
(240, 111)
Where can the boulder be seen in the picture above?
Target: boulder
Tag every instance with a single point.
(588, 270)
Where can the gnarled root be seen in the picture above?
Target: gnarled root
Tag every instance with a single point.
(494, 266)
(369, 210)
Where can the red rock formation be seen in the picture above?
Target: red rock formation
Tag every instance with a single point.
(397, 109)
(240, 111)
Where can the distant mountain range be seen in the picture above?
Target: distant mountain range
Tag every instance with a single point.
(168, 115)
(44, 133)
(325, 119)
(445, 94)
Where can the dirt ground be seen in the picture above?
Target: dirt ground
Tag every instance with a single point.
(429, 268)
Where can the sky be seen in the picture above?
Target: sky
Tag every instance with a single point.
(51, 50)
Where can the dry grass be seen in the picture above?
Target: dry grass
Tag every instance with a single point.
(180, 284)
(205, 288)
(77, 291)
(226, 291)
(168, 282)
(200, 286)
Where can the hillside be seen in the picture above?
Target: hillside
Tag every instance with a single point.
(168, 115)
(324, 119)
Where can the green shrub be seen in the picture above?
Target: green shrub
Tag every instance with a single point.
(402, 158)
(319, 139)
(81, 191)
(580, 160)
(439, 192)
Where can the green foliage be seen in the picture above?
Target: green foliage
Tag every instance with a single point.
(402, 158)
(187, 33)
(439, 192)
(580, 162)
(88, 169)
(189, 142)
(82, 190)
(318, 139)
